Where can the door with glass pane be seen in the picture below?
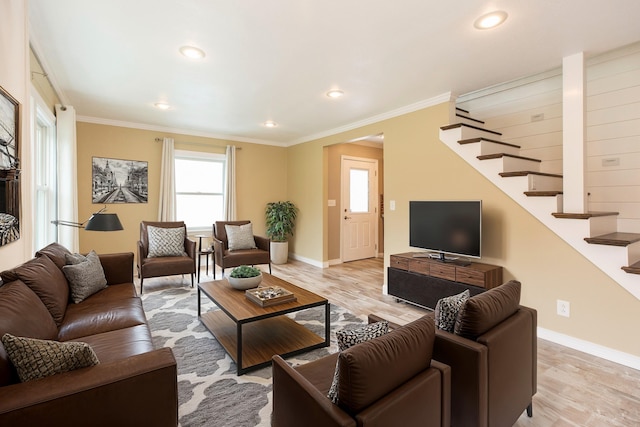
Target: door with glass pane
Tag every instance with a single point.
(359, 208)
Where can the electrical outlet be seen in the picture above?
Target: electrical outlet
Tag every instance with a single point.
(563, 308)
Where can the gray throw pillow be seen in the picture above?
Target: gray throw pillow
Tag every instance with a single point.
(240, 237)
(166, 241)
(34, 358)
(350, 337)
(446, 311)
(85, 275)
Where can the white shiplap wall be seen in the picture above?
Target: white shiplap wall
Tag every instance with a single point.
(528, 112)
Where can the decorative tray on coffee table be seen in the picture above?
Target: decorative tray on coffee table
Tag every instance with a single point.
(266, 296)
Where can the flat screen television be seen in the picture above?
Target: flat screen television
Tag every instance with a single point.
(452, 227)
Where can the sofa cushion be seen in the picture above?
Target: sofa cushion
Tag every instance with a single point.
(92, 317)
(447, 309)
(120, 344)
(85, 275)
(34, 358)
(16, 299)
(166, 241)
(372, 369)
(348, 338)
(47, 281)
(484, 311)
(56, 252)
(240, 237)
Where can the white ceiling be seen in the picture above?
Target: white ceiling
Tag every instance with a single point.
(275, 60)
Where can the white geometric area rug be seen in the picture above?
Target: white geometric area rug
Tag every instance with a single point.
(209, 391)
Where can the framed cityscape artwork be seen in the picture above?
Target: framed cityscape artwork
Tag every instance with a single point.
(9, 168)
(119, 181)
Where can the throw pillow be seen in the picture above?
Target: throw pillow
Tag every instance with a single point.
(85, 275)
(34, 358)
(447, 309)
(350, 337)
(240, 237)
(166, 241)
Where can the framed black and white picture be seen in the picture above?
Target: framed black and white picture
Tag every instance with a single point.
(9, 168)
(119, 181)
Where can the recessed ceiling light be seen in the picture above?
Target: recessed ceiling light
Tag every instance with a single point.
(192, 52)
(490, 20)
(270, 124)
(335, 93)
(162, 105)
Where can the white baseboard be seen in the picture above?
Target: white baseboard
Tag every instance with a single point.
(597, 350)
(309, 261)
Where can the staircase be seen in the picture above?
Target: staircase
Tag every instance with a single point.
(594, 234)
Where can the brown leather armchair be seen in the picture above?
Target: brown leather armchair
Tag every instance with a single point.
(225, 258)
(166, 265)
(493, 359)
(387, 381)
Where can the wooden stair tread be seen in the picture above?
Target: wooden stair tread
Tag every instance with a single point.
(470, 118)
(542, 193)
(464, 111)
(614, 239)
(500, 155)
(525, 173)
(458, 125)
(633, 269)
(480, 139)
(585, 215)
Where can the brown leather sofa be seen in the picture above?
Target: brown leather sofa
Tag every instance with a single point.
(387, 381)
(225, 258)
(493, 359)
(134, 384)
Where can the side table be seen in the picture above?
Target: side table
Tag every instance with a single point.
(203, 252)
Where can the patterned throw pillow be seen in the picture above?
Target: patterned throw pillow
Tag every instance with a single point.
(350, 337)
(447, 309)
(240, 237)
(165, 241)
(34, 358)
(85, 275)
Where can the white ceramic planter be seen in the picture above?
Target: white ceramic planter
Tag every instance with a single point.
(279, 252)
(244, 283)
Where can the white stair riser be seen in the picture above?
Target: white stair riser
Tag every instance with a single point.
(510, 164)
(600, 225)
(468, 121)
(634, 253)
(488, 147)
(468, 133)
(544, 183)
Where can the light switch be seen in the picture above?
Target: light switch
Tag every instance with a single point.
(392, 205)
(331, 202)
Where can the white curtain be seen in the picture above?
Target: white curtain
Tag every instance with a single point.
(67, 176)
(230, 185)
(167, 205)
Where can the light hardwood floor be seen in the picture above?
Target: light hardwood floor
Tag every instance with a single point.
(574, 388)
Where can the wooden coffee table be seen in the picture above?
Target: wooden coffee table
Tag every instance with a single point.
(251, 334)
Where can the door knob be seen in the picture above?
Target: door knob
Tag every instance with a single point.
(347, 217)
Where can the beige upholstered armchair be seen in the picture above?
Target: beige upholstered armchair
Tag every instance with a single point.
(165, 250)
(240, 248)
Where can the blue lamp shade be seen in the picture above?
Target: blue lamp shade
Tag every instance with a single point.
(104, 222)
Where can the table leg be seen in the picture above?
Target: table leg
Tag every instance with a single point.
(327, 323)
(239, 369)
(198, 301)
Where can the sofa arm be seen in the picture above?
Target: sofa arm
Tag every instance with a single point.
(190, 249)
(469, 377)
(118, 268)
(297, 402)
(218, 250)
(139, 390)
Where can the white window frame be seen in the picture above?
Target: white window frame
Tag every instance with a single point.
(43, 173)
(210, 157)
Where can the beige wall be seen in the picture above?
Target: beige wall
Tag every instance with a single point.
(14, 72)
(260, 178)
(418, 166)
(334, 183)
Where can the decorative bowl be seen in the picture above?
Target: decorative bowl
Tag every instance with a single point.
(244, 283)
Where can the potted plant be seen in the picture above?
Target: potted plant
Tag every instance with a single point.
(281, 218)
(245, 277)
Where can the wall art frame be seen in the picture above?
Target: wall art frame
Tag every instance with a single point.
(117, 181)
(9, 168)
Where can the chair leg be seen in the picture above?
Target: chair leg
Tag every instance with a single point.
(141, 280)
(530, 410)
(192, 280)
(269, 268)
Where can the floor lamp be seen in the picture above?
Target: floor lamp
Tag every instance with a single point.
(99, 221)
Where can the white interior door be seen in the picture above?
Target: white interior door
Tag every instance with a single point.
(359, 208)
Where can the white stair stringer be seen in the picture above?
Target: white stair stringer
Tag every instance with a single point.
(609, 259)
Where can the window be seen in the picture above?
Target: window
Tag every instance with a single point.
(200, 181)
(44, 175)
